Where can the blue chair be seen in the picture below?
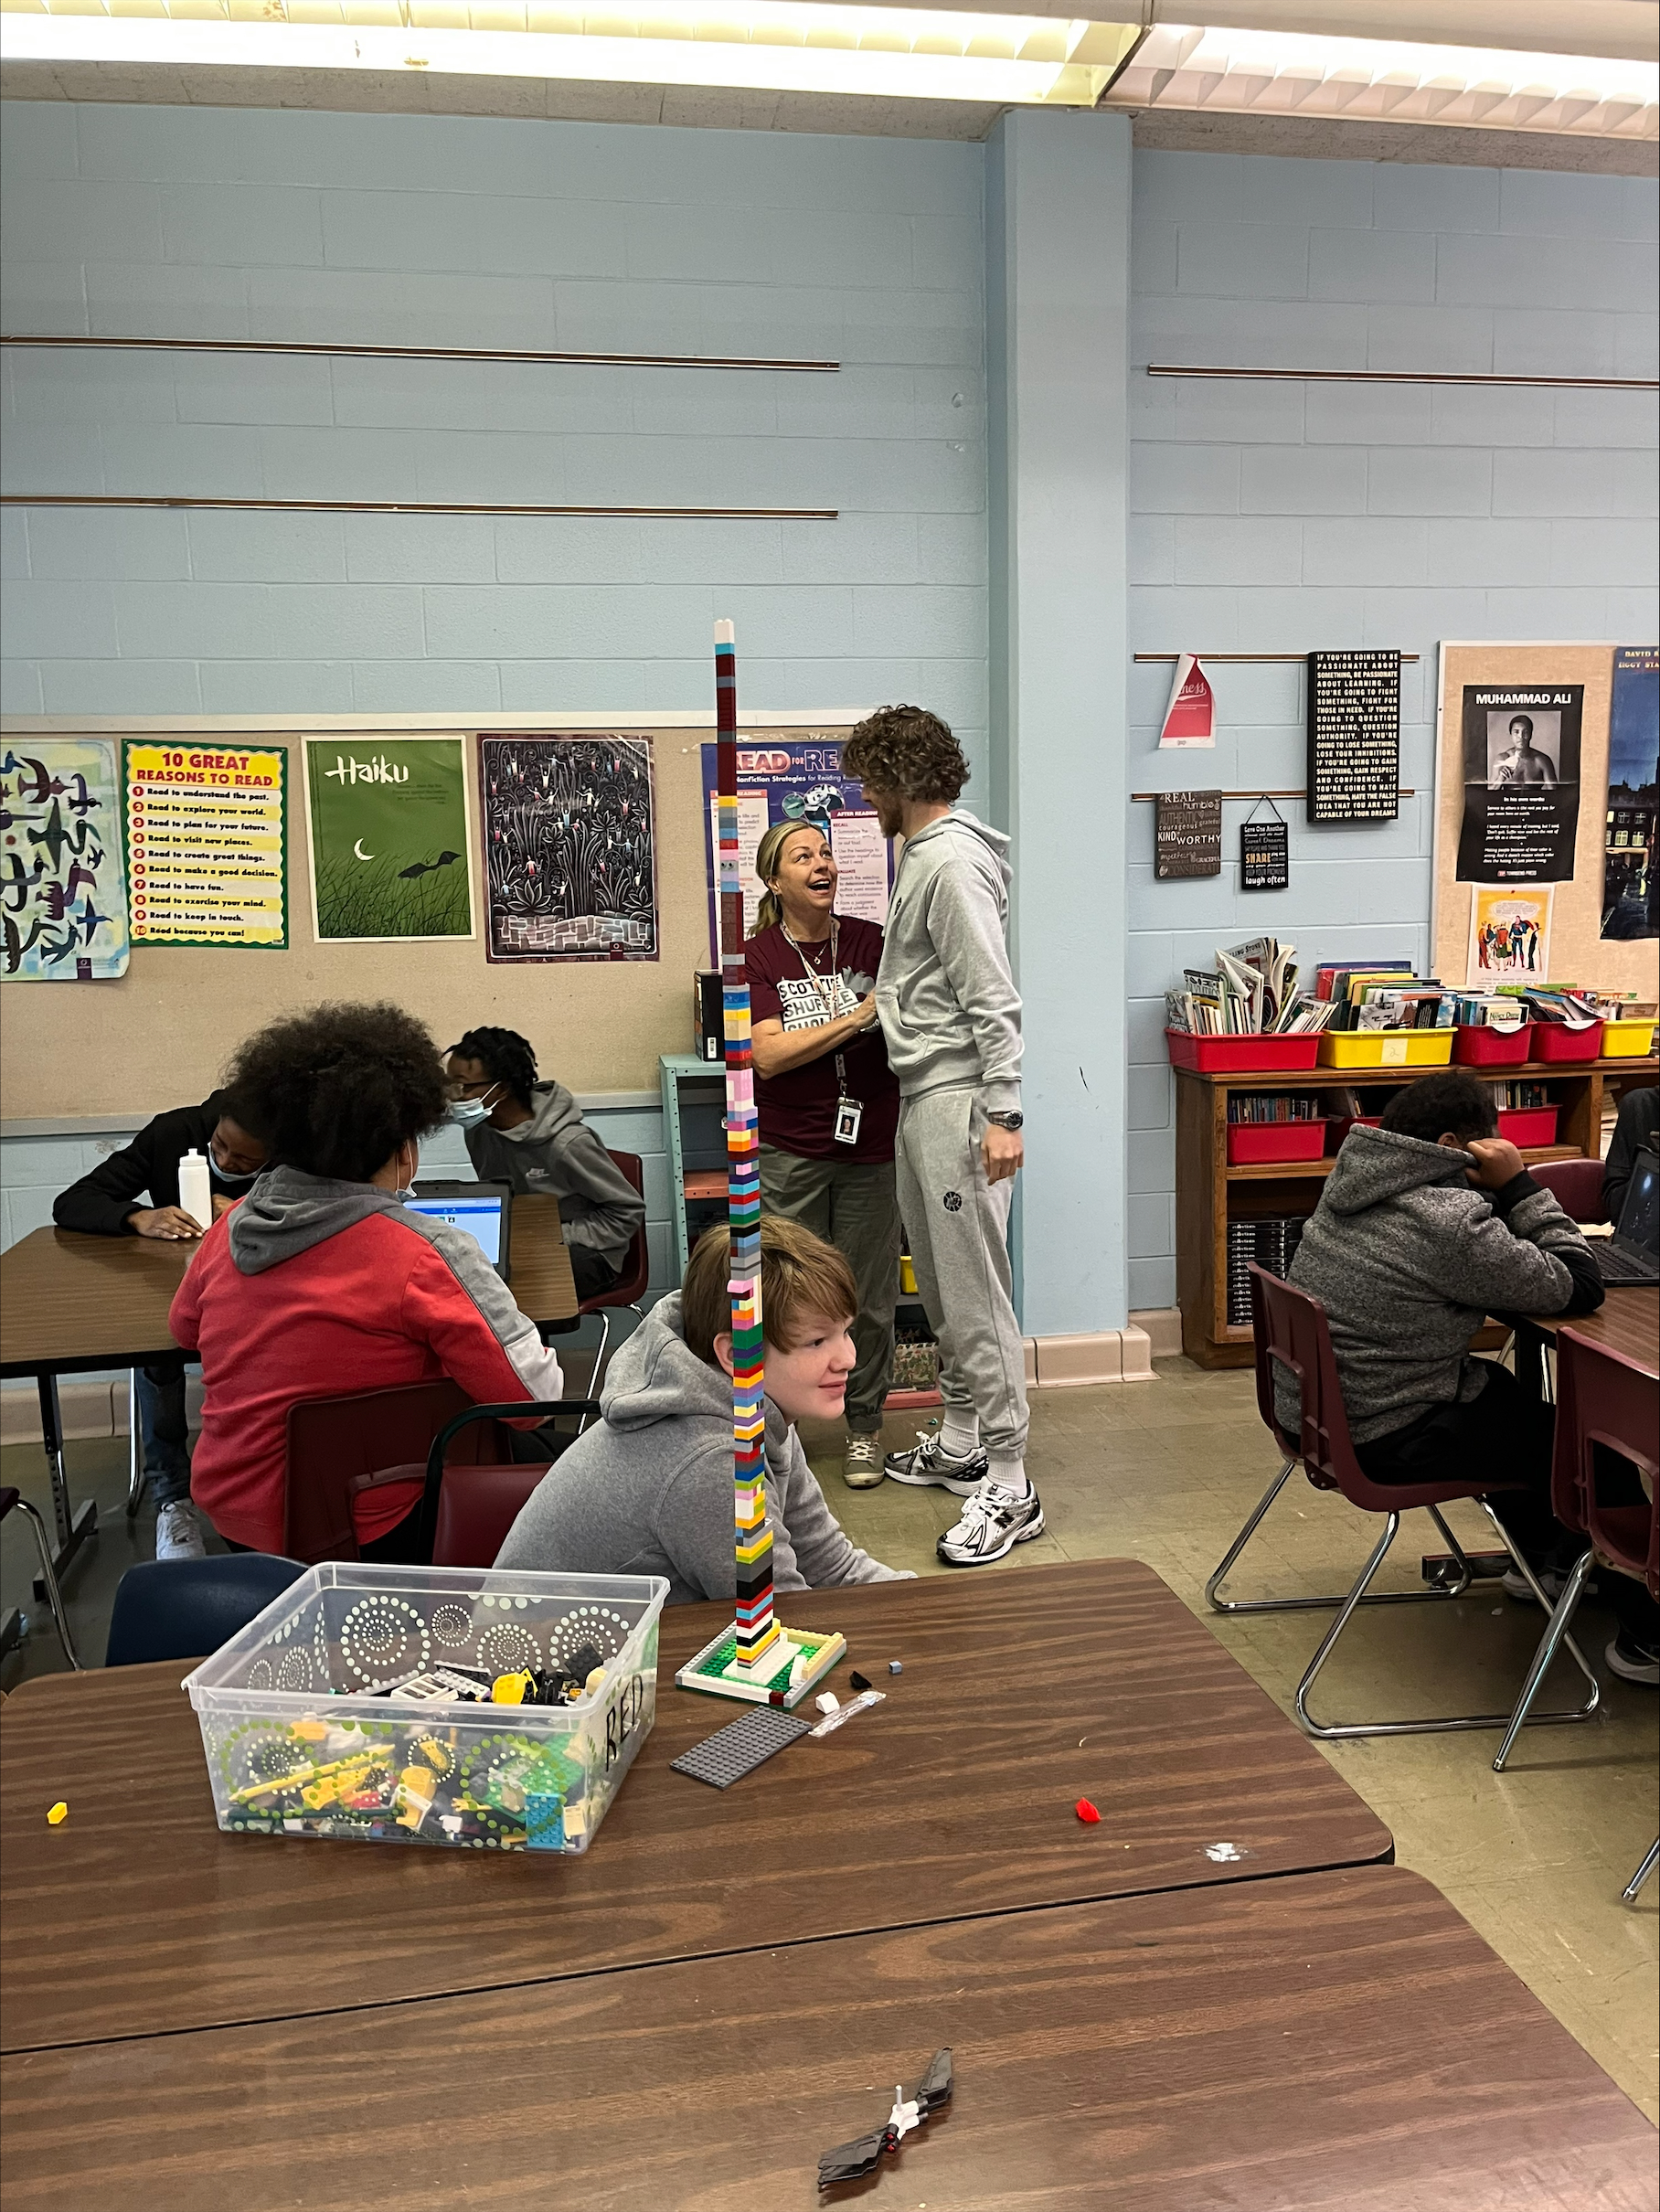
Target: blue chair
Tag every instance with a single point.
(183, 1609)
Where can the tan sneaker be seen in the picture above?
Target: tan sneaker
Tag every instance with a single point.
(862, 1463)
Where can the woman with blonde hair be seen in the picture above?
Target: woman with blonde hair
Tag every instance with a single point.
(826, 1101)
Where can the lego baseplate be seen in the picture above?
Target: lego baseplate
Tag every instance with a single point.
(787, 1688)
(739, 1748)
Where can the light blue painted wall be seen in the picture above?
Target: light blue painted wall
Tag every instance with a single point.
(1277, 518)
(450, 231)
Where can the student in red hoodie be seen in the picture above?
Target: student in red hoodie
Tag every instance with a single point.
(320, 1284)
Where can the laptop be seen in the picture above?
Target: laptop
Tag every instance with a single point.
(484, 1210)
(1632, 1255)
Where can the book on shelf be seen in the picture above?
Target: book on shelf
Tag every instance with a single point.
(1251, 993)
(1259, 1107)
(1511, 1097)
(1270, 1239)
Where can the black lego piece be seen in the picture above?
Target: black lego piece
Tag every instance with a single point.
(739, 1748)
(858, 1681)
(851, 2161)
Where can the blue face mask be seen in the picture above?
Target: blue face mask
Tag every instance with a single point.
(467, 1114)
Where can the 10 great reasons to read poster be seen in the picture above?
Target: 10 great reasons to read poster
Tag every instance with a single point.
(206, 839)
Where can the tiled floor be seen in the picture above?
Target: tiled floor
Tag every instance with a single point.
(1165, 1471)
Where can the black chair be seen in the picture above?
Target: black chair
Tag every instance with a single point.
(11, 1629)
(183, 1609)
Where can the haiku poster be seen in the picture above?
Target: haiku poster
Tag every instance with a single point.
(784, 776)
(390, 837)
(63, 895)
(1630, 883)
(570, 859)
(207, 843)
(1521, 763)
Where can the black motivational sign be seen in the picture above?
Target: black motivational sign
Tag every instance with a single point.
(1189, 834)
(1264, 856)
(1354, 736)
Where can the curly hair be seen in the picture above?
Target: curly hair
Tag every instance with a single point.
(505, 1056)
(336, 1089)
(908, 750)
(1454, 1102)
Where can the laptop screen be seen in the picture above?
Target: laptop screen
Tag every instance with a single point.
(1640, 1215)
(481, 1218)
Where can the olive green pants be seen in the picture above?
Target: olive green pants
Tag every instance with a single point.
(853, 1208)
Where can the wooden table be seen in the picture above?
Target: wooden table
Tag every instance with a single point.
(70, 1303)
(1627, 1320)
(1022, 1692)
(1340, 2040)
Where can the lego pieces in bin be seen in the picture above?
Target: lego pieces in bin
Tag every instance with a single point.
(852, 2161)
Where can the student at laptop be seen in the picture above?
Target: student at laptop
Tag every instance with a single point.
(1636, 1129)
(320, 1284)
(648, 1491)
(106, 1204)
(532, 1135)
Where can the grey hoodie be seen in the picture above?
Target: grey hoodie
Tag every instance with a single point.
(950, 1011)
(555, 1151)
(649, 1490)
(1409, 1259)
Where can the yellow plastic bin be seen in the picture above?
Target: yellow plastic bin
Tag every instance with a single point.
(1628, 1040)
(1386, 1048)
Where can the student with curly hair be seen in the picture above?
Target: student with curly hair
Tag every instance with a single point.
(951, 1015)
(320, 1284)
(531, 1133)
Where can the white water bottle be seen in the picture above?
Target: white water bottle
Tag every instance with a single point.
(196, 1189)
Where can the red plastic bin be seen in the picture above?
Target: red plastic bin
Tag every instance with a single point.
(1477, 1045)
(1529, 1125)
(1337, 1126)
(1241, 1055)
(1555, 1041)
(1256, 1143)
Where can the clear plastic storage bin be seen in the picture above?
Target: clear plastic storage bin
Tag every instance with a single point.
(299, 1742)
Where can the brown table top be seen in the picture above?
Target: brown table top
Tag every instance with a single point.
(1627, 1320)
(1021, 1692)
(1339, 2040)
(68, 1301)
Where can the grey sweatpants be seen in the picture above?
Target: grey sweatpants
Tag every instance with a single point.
(958, 1227)
(852, 1207)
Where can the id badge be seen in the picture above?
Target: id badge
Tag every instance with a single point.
(847, 1115)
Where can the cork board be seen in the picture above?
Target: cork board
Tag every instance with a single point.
(160, 1034)
(1579, 953)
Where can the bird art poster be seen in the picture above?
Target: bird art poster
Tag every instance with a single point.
(63, 894)
(392, 841)
(569, 847)
(206, 824)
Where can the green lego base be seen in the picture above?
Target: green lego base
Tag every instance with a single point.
(706, 1672)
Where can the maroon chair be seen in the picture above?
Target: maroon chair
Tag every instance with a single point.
(1291, 1332)
(338, 1448)
(630, 1286)
(467, 1507)
(1576, 1186)
(1603, 1397)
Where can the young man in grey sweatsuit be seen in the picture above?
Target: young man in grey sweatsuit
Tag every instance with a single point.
(950, 1016)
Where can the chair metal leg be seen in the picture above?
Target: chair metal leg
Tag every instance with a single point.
(1629, 1894)
(1297, 1605)
(1556, 1628)
(135, 1447)
(596, 1377)
(48, 1574)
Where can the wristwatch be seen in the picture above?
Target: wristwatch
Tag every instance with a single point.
(1007, 1121)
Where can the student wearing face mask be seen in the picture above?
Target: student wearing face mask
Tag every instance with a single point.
(531, 1133)
(135, 1193)
(320, 1284)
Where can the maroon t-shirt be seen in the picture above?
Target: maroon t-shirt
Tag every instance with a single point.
(796, 1111)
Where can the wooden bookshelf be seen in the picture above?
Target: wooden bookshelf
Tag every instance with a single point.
(1210, 1194)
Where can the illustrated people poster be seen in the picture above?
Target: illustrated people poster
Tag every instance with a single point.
(63, 894)
(391, 849)
(569, 847)
(1630, 882)
(1509, 937)
(1521, 759)
(207, 842)
(796, 776)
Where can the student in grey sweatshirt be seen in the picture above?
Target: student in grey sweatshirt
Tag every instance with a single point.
(532, 1135)
(950, 1016)
(649, 1490)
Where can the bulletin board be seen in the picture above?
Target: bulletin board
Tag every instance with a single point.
(160, 1035)
(1579, 952)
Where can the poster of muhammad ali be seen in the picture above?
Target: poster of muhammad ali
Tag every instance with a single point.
(1521, 761)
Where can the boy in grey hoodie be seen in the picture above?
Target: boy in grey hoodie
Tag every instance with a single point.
(950, 1017)
(649, 1490)
(532, 1135)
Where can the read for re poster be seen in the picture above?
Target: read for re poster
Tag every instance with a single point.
(786, 777)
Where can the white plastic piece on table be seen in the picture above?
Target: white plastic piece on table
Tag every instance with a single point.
(856, 1705)
(828, 1702)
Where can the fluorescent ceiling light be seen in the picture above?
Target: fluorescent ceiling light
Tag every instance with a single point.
(1380, 79)
(789, 46)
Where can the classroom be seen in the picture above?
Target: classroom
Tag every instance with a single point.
(831, 945)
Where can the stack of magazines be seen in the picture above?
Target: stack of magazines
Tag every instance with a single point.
(1273, 1243)
(1569, 1009)
(1251, 993)
(1487, 1010)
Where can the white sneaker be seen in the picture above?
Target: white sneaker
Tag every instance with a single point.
(178, 1532)
(928, 1466)
(862, 1463)
(993, 1521)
